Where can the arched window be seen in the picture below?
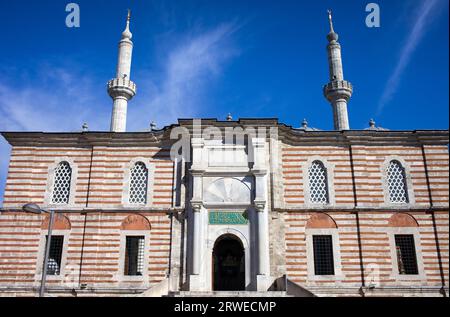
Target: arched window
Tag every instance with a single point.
(58, 244)
(396, 178)
(405, 245)
(61, 188)
(135, 236)
(138, 184)
(322, 240)
(318, 187)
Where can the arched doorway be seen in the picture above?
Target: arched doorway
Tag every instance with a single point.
(228, 264)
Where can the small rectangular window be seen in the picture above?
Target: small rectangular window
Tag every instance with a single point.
(134, 256)
(323, 255)
(55, 255)
(406, 254)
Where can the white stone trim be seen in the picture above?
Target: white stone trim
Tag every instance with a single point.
(41, 254)
(126, 182)
(216, 234)
(246, 188)
(336, 254)
(395, 274)
(121, 277)
(51, 182)
(409, 184)
(330, 182)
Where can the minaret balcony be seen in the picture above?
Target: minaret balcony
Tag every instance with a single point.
(121, 87)
(338, 89)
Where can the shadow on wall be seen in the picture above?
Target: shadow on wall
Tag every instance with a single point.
(291, 288)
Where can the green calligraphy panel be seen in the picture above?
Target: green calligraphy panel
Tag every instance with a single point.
(227, 218)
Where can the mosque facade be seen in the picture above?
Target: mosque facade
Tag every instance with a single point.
(247, 207)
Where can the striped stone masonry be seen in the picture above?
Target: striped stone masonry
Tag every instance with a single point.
(100, 176)
(367, 181)
(366, 245)
(358, 214)
(91, 254)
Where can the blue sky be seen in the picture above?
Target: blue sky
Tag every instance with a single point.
(252, 58)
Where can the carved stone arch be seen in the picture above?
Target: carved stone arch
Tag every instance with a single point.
(320, 221)
(228, 189)
(230, 232)
(402, 220)
(216, 235)
(60, 222)
(135, 222)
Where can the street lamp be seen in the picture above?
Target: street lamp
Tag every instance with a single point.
(35, 209)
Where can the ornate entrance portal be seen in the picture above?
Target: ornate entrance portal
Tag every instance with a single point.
(228, 264)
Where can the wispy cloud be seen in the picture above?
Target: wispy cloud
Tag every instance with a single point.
(56, 99)
(53, 98)
(426, 10)
(187, 74)
(60, 97)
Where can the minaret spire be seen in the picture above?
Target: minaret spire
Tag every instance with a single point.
(122, 89)
(338, 91)
(330, 19)
(126, 33)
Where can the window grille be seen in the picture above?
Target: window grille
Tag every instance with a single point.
(406, 254)
(55, 255)
(61, 189)
(397, 183)
(138, 184)
(318, 188)
(323, 255)
(134, 256)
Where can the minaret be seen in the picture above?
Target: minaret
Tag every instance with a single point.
(338, 91)
(121, 89)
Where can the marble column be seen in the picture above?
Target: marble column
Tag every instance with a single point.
(262, 243)
(260, 172)
(197, 240)
(197, 207)
(263, 227)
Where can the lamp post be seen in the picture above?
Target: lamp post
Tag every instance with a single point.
(35, 209)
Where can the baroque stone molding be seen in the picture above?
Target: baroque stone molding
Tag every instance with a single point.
(196, 206)
(260, 204)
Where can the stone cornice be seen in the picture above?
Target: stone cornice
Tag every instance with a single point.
(362, 209)
(89, 139)
(363, 137)
(111, 210)
(286, 134)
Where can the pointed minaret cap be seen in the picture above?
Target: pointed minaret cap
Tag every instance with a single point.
(304, 124)
(126, 34)
(332, 36)
(85, 127)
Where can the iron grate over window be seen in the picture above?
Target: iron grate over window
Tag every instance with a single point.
(134, 256)
(55, 255)
(138, 184)
(323, 255)
(397, 183)
(318, 188)
(406, 254)
(61, 189)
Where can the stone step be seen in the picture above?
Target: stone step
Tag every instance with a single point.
(230, 294)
